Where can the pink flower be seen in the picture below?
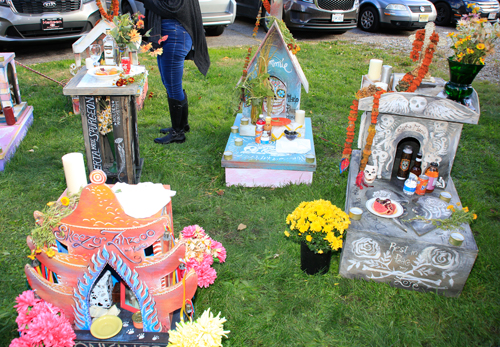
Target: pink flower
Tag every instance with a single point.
(208, 260)
(163, 38)
(22, 341)
(218, 251)
(206, 275)
(25, 300)
(52, 329)
(193, 231)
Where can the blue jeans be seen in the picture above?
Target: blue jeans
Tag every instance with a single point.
(171, 62)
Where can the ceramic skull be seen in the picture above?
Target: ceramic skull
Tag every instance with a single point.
(417, 104)
(370, 174)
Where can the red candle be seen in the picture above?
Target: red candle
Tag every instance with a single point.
(10, 118)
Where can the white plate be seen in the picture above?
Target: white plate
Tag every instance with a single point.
(92, 72)
(399, 209)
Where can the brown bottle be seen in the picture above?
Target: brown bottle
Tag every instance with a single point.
(433, 173)
(404, 165)
(416, 168)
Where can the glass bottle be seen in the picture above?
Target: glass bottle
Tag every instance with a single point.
(259, 128)
(404, 165)
(416, 168)
(432, 172)
(268, 127)
(109, 46)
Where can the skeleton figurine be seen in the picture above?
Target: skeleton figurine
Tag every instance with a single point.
(370, 175)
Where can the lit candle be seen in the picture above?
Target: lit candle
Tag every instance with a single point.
(300, 116)
(375, 69)
(74, 171)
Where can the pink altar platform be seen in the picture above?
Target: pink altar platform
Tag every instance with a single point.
(12, 135)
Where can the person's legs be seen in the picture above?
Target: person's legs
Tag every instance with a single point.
(171, 66)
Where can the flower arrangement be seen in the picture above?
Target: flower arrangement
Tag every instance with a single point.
(319, 224)
(201, 252)
(112, 11)
(41, 324)
(126, 34)
(206, 331)
(475, 38)
(457, 218)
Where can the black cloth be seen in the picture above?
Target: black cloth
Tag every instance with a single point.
(188, 13)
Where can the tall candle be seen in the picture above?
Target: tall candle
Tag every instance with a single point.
(375, 69)
(74, 171)
(89, 63)
(300, 116)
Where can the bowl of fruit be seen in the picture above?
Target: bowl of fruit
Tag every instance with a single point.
(105, 72)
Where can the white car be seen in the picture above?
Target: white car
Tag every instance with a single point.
(216, 14)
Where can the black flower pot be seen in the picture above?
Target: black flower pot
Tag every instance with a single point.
(314, 263)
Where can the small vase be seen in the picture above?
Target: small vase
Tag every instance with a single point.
(255, 111)
(314, 263)
(461, 76)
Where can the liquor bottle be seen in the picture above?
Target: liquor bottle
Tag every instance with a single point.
(404, 165)
(268, 127)
(433, 173)
(109, 46)
(416, 168)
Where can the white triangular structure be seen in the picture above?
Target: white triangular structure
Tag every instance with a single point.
(83, 43)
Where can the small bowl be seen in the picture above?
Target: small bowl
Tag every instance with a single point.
(291, 135)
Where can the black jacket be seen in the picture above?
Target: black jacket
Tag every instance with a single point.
(188, 13)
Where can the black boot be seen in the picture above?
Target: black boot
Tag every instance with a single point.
(176, 113)
(184, 119)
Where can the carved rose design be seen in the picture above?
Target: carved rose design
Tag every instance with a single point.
(366, 247)
(441, 258)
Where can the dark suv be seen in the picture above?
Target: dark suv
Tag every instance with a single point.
(449, 11)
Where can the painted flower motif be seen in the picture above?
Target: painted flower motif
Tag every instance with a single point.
(441, 258)
(366, 247)
(50, 252)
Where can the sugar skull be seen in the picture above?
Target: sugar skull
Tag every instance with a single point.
(417, 104)
(370, 174)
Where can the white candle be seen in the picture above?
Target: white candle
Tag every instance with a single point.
(300, 116)
(74, 171)
(381, 85)
(89, 63)
(375, 69)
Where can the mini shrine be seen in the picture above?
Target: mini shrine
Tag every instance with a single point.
(106, 257)
(406, 253)
(10, 96)
(281, 161)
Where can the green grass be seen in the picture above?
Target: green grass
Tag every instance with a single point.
(261, 291)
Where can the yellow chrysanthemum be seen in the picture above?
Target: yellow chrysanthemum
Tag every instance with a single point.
(309, 238)
(481, 46)
(287, 234)
(65, 201)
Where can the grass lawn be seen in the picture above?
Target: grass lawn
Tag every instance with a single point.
(260, 289)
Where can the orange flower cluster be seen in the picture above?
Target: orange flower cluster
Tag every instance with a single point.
(115, 6)
(294, 48)
(417, 45)
(257, 23)
(267, 5)
(371, 129)
(353, 116)
(124, 81)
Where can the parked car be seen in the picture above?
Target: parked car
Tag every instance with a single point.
(449, 11)
(44, 20)
(399, 14)
(216, 14)
(335, 15)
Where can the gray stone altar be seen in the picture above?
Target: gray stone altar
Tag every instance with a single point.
(411, 255)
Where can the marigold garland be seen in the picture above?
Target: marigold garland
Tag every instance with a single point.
(115, 7)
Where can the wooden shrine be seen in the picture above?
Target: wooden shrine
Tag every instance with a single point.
(99, 243)
(408, 254)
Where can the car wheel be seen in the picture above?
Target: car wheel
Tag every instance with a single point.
(264, 21)
(214, 30)
(443, 17)
(368, 19)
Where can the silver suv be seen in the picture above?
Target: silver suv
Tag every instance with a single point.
(44, 20)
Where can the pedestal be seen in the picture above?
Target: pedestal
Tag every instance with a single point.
(260, 165)
(126, 165)
(420, 259)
